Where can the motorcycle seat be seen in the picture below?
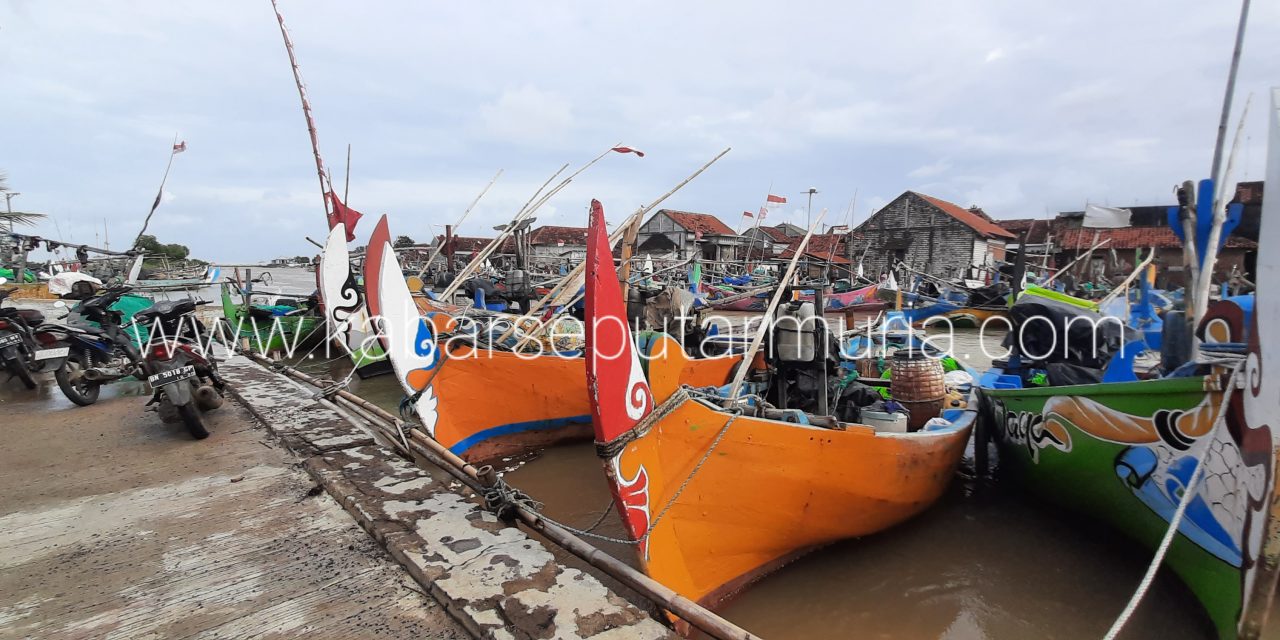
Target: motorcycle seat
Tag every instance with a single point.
(85, 328)
(167, 308)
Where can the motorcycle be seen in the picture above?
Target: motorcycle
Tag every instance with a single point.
(28, 345)
(99, 348)
(183, 376)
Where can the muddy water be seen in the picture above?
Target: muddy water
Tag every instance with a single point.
(985, 562)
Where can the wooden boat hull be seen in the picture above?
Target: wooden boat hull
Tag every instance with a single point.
(716, 499)
(280, 333)
(484, 404)
(1119, 452)
(974, 317)
(494, 404)
(770, 490)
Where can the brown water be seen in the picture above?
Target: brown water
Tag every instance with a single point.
(985, 562)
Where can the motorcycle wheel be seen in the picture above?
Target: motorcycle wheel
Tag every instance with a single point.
(70, 377)
(19, 368)
(194, 421)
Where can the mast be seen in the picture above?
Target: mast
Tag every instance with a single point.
(306, 112)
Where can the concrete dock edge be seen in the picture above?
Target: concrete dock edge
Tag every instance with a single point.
(496, 580)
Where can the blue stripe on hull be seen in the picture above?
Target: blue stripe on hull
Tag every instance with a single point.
(517, 427)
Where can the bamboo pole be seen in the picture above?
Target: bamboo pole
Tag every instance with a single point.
(493, 244)
(465, 213)
(520, 216)
(574, 279)
(768, 313)
(1205, 284)
(1096, 245)
(478, 478)
(306, 106)
(1129, 280)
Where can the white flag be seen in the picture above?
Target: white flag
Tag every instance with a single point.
(1096, 217)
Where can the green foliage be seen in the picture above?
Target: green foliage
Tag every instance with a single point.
(403, 241)
(152, 247)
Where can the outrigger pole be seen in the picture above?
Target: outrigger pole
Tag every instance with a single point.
(568, 287)
(426, 265)
(768, 313)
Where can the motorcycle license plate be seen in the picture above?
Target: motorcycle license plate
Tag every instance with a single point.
(9, 339)
(46, 354)
(171, 376)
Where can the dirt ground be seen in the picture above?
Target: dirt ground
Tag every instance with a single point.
(116, 525)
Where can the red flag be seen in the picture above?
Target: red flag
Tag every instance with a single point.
(341, 214)
(777, 199)
(763, 212)
(747, 214)
(629, 150)
(180, 147)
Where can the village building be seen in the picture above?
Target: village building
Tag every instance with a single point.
(929, 235)
(825, 257)
(764, 242)
(1062, 240)
(683, 234)
(552, 245)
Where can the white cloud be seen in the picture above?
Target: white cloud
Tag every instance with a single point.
(994, 54)
(930, 170)
(527, 115)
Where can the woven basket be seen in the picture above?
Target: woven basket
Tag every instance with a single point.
(918, 385)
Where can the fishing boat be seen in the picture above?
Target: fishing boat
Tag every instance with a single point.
(1122, 452)
(857, 301)
(270, 323)
(452, 383)
(1182, 461)
(342, 300)
(717, 494)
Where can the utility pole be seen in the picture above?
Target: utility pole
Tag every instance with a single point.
(8, 198)
(808, 216)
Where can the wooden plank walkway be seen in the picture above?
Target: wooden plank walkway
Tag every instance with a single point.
(114, 525)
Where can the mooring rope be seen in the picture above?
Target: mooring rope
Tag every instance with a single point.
(1188, 494)
(588, 533)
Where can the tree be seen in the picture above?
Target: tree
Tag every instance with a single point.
(10, 218)
(403, 241)
(152, 247)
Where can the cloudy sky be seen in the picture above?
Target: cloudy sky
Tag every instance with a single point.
(1021, 107)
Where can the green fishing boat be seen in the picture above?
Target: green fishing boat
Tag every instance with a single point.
(270, 321)
(1125, 452)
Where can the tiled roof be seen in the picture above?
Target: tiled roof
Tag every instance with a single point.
(464, 244)
(775, 234)
(1133, 238)
(820, 247)
(1039, 228)
(976, 220)
(705, 223)
(559, 236)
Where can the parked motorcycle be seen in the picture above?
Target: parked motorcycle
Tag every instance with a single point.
(99, 348)
(183, 376)
(28, 345)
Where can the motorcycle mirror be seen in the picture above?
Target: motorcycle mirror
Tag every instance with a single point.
(57, 303)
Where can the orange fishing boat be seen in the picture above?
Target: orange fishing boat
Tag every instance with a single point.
(718, 497)
(484, 404)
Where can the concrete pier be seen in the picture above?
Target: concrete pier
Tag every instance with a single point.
(113, 524)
